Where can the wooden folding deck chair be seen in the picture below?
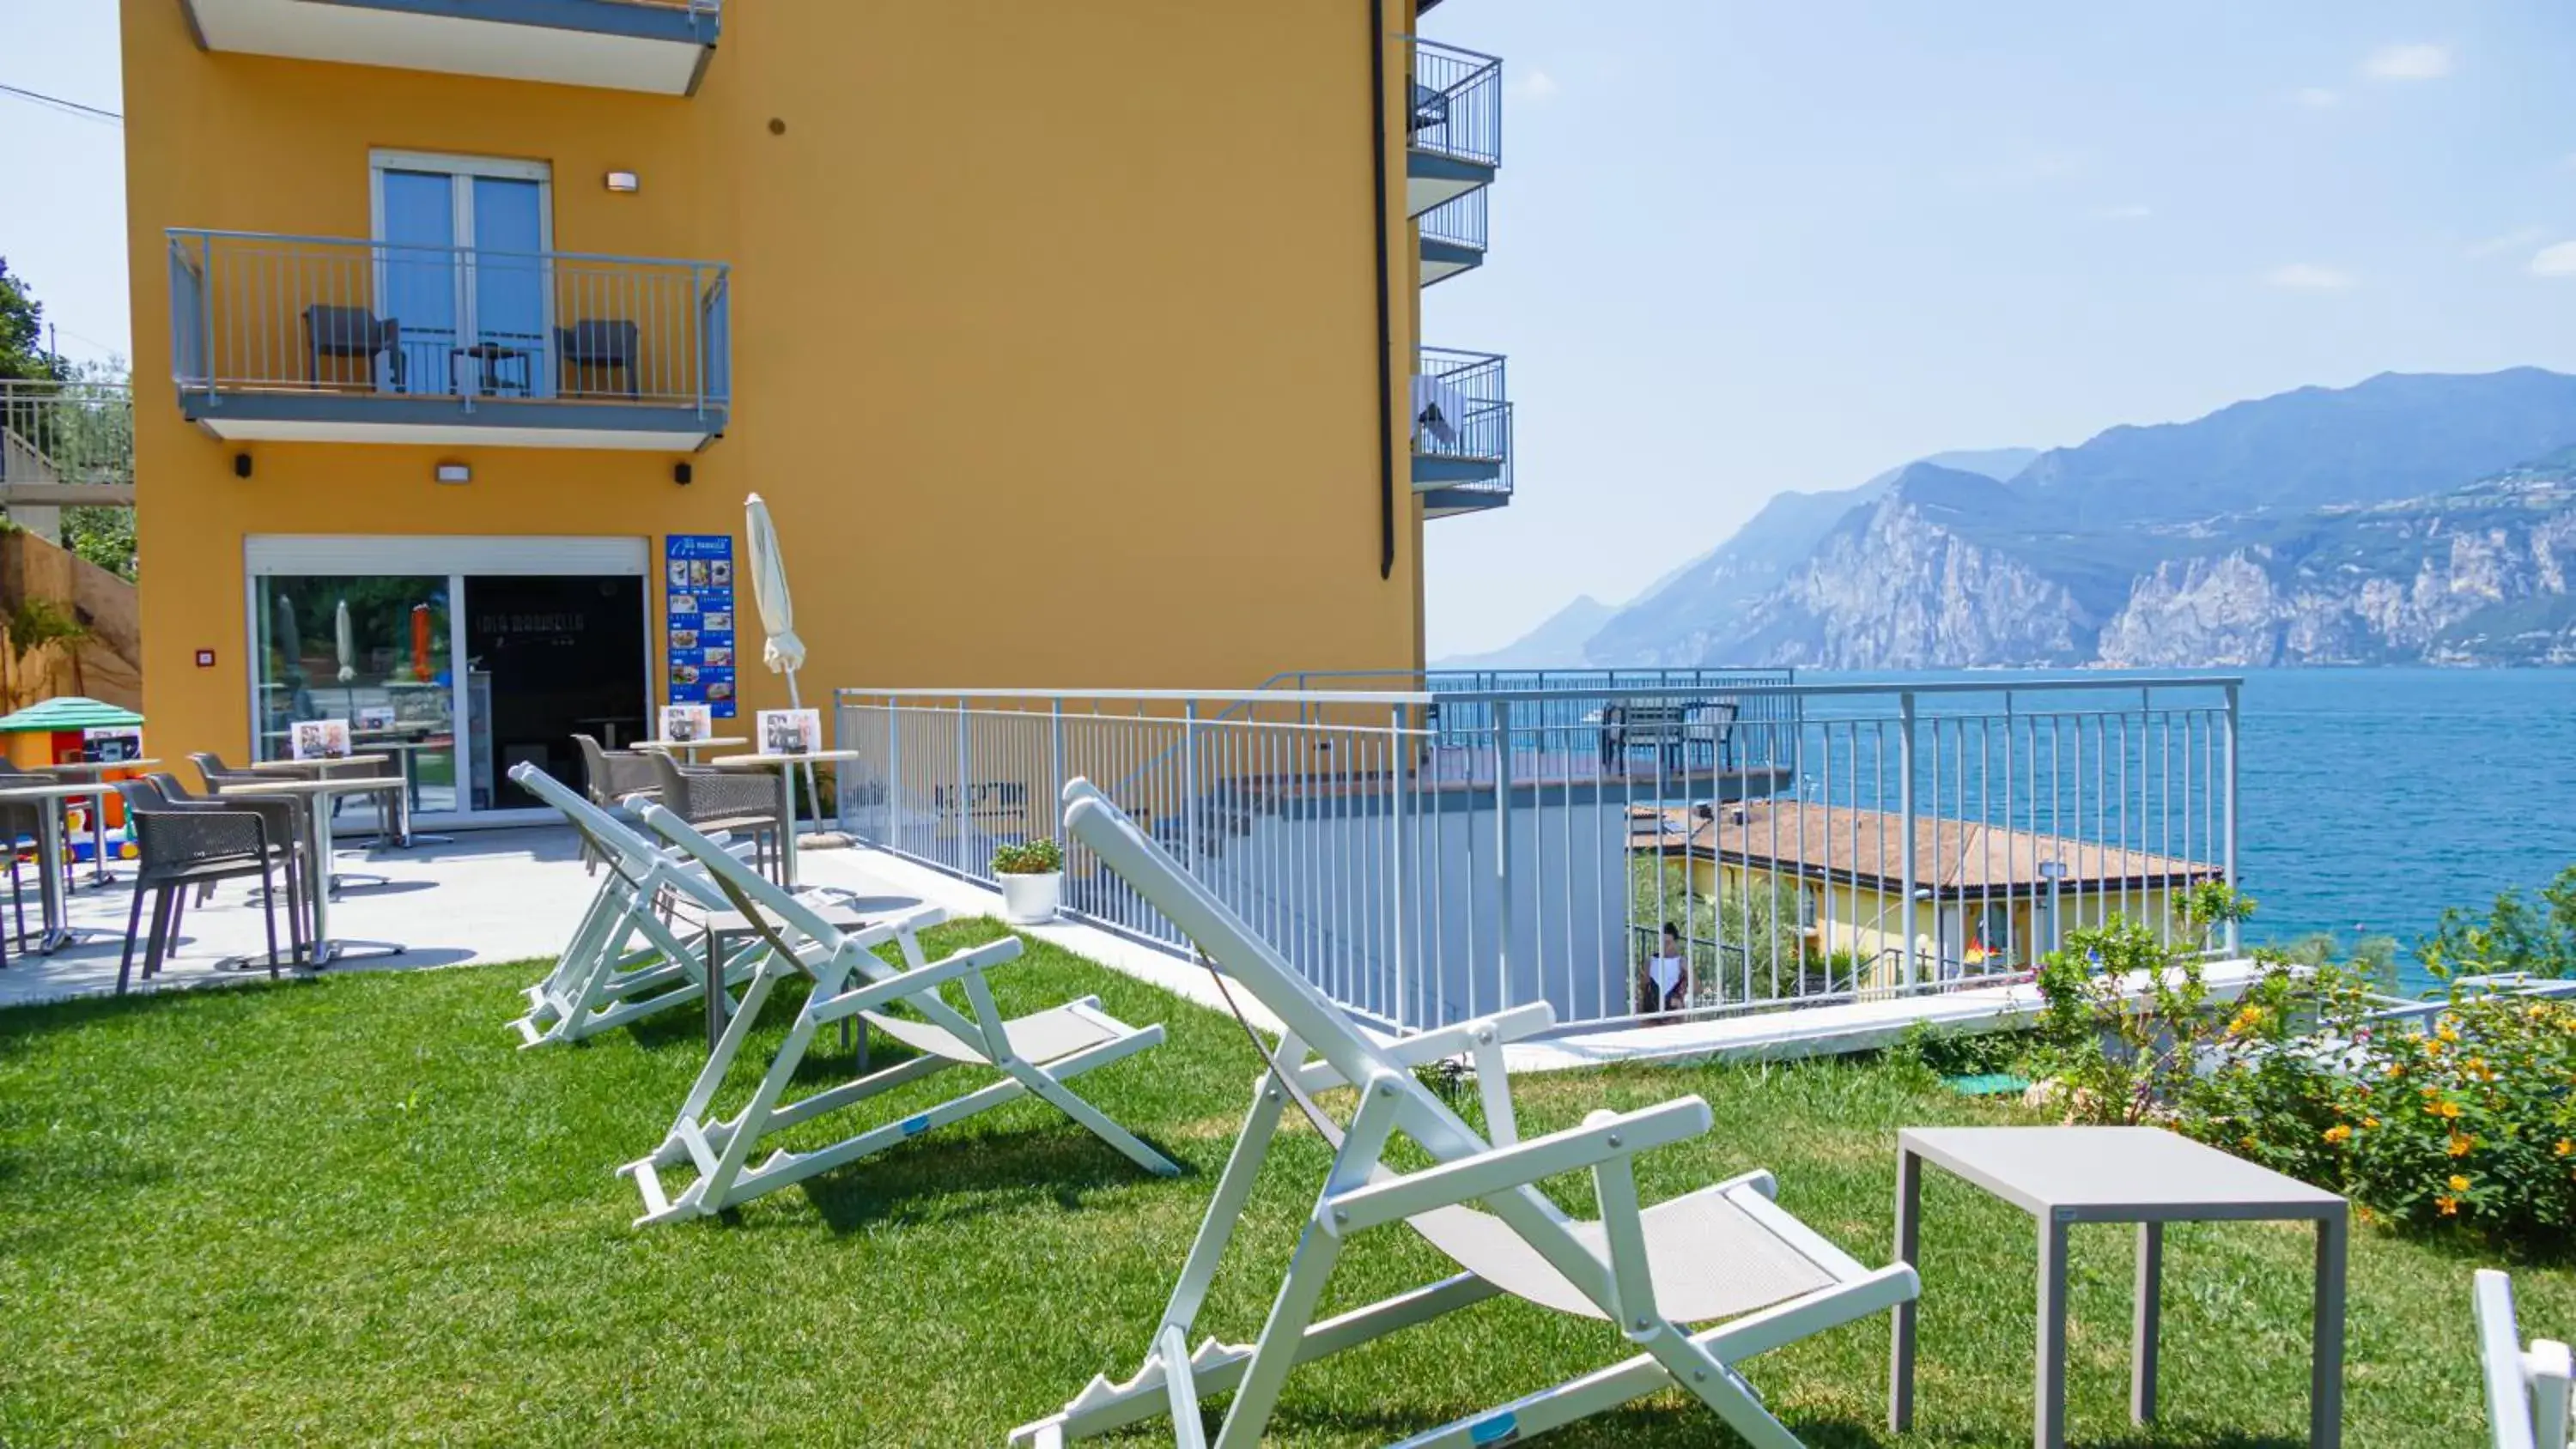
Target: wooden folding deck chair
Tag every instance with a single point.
(1726, 1252)
(1036, 1055)
(2528, 1390)
(627, 959)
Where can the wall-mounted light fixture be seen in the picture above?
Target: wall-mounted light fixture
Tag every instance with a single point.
(623, 181)
(455, 473)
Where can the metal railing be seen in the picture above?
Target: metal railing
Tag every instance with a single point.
(1427, 855)
(332, 316)
(1462, 414)
(70, 432)
(1456, 104)
(1459, 221)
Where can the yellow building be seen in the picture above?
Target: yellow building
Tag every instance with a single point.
(1985, 900)
(1069, 344)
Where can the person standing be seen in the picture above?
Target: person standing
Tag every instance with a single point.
(1665, 971)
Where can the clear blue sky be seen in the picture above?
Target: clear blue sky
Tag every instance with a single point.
(1740, 248)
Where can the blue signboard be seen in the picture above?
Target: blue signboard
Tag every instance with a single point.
(697, 578)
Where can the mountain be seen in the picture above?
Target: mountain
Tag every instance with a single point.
(1556, 644)
(2391, 521)
(1668, 623)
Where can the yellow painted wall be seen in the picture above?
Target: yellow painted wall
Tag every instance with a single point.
(1054, 333)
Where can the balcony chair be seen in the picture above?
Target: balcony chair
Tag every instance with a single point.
(2528, 1394)
(731, 802)
(598, 342)
(1726, 1252)
(1035, 1055)
(331, 331)
(182, 848)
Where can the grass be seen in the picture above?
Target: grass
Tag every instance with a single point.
(349, 1211)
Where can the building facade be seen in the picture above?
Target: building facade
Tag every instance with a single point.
(1065, 342)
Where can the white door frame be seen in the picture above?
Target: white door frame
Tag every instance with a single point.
(461, 172)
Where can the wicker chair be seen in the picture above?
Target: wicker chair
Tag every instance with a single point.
(610, 776)
(712, 800)
(184, 847)
(285, 818)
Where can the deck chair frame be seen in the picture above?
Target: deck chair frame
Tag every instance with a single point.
(628, 958)
(849, 980)
(2528, 1389)
(1322, 1048)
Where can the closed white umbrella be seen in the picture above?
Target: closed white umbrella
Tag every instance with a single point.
(344, 644)
(780, 649)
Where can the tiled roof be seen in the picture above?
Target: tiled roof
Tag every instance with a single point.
(1951, 856)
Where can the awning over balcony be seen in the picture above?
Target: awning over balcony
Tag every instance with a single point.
(662, 46)
(335, 340)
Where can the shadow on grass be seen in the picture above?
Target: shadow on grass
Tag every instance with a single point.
(967, 1176)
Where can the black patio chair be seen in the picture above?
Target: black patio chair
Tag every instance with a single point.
(737, 802)
(601, 343)
(183, 847)
(610, 776)
(331, 331)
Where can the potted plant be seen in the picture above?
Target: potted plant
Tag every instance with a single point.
(1032, 875)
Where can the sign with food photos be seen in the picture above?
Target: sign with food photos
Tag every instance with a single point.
(697, 586)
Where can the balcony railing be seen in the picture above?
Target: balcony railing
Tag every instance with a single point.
(1425, 856)
(1453, 236)
(377, 340)
(660, 46)
(1457, 104)
(66, 442)
(1462, 430)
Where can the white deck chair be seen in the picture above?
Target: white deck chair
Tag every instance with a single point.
(2527, 1389)
(1726, 1252)
(1036, 1055)
(627, 959)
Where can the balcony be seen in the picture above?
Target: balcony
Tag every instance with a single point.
(1462, 432)
(1453, 237)
(331, 340)
(1453, 127)
(660, 46)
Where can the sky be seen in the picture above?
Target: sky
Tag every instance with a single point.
(1739, 248)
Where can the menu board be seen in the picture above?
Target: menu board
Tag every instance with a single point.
(697, 577)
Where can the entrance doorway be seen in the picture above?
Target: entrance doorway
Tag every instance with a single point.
(472, 655)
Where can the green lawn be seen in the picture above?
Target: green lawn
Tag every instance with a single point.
(350, 1211)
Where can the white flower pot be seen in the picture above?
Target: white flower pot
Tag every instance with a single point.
(1031, 900)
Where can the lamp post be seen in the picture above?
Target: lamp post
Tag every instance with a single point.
(1923, 894)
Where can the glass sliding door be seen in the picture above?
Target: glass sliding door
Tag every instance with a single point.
(549, 657)
(372, 650)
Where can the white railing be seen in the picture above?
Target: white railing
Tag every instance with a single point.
(1806, 842)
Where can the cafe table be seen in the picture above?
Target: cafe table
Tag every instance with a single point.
(95, 771)
(48, 800)
(317, 844)
(688, 749)
(785, 765)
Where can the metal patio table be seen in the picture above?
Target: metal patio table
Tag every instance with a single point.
(318, 843)
(688, 749)
(785, 765)
(95, 772)
(2062, 1176)
(48, 800)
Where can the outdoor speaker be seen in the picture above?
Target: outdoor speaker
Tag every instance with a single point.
(241, 465)
(680, 474)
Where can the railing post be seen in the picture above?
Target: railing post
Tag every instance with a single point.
(1905, 847)
(1502, 711)
(2228, 861)
(1190, 782)
(1055, 767)
(957, 802)
(1396, 746)
(894, 775)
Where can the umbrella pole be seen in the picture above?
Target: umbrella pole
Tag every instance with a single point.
(813, 797)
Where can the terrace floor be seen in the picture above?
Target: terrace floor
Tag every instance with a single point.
(351, 1210)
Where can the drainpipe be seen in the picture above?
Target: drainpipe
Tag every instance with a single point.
(1385, 299)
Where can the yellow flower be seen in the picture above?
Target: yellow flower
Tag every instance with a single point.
(2339, 1132)
(2446, 1033)
(2448, 1205)
(2369, 1121)
(2459, 1183)
(2446, 1109)
(2396, 1069)
(2459, 1146)
(2565, 1147)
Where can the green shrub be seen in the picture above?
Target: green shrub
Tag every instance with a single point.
(1028, 857)
(2516, 935)
(2119, 1060)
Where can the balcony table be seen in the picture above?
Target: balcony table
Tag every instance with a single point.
(318, 844)
(2144, 1175)
(490, 358)
(785, 765)
(48, 800)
